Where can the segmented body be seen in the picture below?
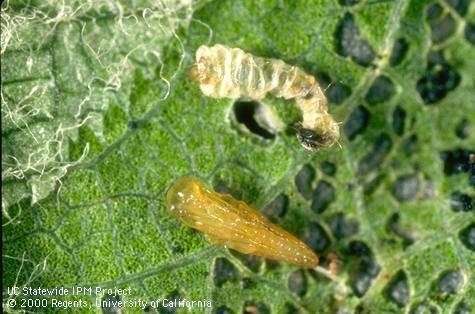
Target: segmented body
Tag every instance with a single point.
(233, 223)
(223, 72)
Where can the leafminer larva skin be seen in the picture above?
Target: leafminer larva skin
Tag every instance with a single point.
(223, 72)
(231, 222)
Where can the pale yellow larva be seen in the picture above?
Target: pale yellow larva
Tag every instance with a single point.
(223, 72)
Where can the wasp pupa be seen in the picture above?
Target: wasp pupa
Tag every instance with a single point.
(223, 72)
(231, 222)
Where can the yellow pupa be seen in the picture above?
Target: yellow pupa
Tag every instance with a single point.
(231, 222)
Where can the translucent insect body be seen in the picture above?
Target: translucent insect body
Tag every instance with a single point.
(233, 223)
(223, 72)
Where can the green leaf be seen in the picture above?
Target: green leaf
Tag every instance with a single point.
(99, 118)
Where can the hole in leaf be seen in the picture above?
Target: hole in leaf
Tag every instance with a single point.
(304, 180)
(442, 28)
(410, 144)
(462, 129)
(224, 271)
(450, 281)
(174, 295)
(462, 308)
(380, 91)
(471, 178)
(132, 125)
(250, 261)
(373, 184)
(467, 236)
(297, 282)
(323, 195)
(461, 202)
(405, 187)
(253, 307)
(110, 301)
(348, 2)
(381, 147)
(289, 308)
(360, 309)
(359, 248)
(271, 264)
(247, 113)
(370, 267)
(350, 43)
(395, 227)
(247, 283)
(424, 308)
(367, 270)
(357, 122)
(177, 249)
(460, 6)
(439, 80)
(399, 118)
(397, 290)
(399, 52)
(223, 310)
(343, 227)
(434, 11)
(456, 161)
(328, 168)
(316, 238)
(277, 208)
(222, 188)
(469, 33)
(336, 92)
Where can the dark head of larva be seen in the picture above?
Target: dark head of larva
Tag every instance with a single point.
(312, 140)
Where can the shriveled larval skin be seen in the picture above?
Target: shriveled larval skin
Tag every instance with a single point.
(231, 222)
(223, 72)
